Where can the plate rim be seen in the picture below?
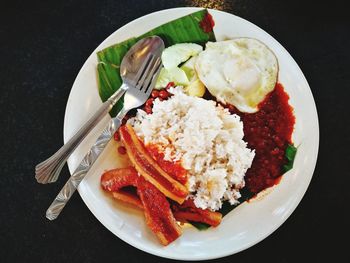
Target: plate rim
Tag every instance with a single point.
(262, 237)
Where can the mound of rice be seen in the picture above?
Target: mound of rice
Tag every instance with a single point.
(208, 141)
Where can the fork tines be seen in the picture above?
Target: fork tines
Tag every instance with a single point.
(148, 72)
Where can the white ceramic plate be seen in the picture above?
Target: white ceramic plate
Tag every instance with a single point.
(243, 227)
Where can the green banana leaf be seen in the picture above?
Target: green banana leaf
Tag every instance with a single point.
(182, 30)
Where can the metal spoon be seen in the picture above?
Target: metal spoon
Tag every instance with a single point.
(49, 170)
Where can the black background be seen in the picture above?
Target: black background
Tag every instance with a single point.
(42, 47)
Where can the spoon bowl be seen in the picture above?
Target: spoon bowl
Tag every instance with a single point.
(136, 55)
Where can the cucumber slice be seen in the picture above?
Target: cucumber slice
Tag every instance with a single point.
(176, 75)
(188, 67)
(178, 53)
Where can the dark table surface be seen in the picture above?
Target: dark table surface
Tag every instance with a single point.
(43, 45)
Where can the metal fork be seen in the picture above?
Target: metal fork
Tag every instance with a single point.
(134, 97)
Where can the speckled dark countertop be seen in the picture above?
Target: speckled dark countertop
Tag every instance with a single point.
(43, 45)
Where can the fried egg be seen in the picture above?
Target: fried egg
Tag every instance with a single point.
(240, 72)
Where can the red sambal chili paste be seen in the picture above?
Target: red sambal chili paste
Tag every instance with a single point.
(207, 23)
(268, 131)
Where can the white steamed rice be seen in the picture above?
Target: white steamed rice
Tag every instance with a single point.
(208, 141)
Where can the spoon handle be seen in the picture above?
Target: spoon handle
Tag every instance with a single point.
(80, 172)
(49, 170)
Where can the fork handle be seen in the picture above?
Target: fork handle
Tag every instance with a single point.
(69, 188)
(49, 170)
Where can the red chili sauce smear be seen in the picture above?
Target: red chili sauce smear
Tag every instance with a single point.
(268, 131)
(207, 23)
(174, 169)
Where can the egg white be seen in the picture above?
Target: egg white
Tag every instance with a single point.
(240, 71)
